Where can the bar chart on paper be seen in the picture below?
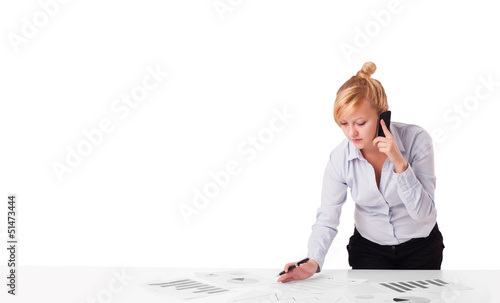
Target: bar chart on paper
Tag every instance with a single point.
(405, 287)
(416, 291)
(188, 289)
(408, 286)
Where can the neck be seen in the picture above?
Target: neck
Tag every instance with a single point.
(372, 152)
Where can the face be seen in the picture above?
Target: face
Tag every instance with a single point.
(361, 126)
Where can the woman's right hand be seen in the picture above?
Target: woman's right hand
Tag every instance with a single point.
(303, 271)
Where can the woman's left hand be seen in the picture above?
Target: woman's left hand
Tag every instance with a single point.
(389, 147)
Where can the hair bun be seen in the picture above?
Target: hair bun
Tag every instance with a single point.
(367, 70)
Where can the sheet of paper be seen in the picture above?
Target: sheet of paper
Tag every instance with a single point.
(234, 279)
(420, 298)
(271, 294)
(425, 290)
(319, 284)
(261, 294)
(418, 286)
(187, 288)
(315, 289)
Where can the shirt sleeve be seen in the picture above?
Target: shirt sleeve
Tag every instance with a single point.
(417, 183)
(333, 196)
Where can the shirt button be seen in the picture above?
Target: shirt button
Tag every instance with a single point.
(393, 247)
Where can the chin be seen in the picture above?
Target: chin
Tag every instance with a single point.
(359, 146)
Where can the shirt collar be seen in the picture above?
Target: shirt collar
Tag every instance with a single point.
(354, 152)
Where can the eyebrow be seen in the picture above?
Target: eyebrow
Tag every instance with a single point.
(354, 119)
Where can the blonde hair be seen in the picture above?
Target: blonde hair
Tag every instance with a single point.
(360, 87)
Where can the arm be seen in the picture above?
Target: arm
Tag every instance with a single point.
(324, 230)
(415, 178)
(416, 184)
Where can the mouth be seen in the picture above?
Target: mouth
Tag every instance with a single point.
(356, 140)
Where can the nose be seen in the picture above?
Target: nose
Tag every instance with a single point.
(353, 132)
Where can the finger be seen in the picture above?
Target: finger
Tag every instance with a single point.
(377, 140)
(288, 279)
(282, 278)
(285, 278)
(383, 148)
(288, 266)
(387, 133)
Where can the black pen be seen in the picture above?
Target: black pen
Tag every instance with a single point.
(294, 266)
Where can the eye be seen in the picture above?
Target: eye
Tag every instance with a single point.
(344, 123)
(361, 124)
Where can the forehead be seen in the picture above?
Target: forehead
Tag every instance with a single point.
(363, 111)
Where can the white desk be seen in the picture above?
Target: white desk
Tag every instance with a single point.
(106, 284)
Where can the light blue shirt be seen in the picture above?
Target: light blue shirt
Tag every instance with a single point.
(403, 208)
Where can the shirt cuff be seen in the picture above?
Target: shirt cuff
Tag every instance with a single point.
(407, 179)
(320, 260)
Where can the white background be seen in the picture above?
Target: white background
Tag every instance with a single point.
(229, 72)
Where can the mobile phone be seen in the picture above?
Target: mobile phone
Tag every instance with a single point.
(386, 116)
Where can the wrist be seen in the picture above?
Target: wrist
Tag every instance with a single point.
(401, 167)
(315, 264)
(399, 162)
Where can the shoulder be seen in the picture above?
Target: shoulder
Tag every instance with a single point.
(408, 130)
(337, 162)
(340, 154)
(411, 136)
(341, 151)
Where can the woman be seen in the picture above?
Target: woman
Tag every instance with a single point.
(392, 182)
